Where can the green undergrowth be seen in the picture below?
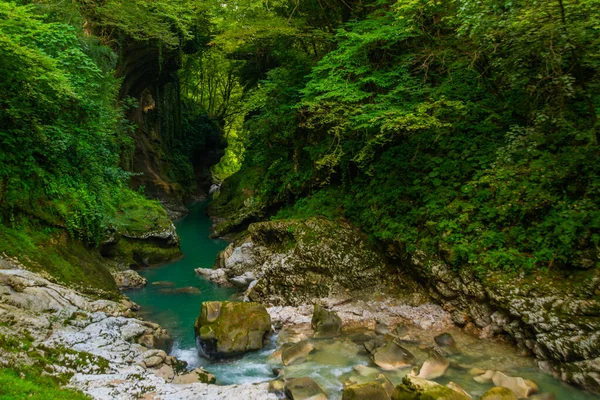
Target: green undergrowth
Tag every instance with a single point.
(34, 377)
(17, 385)
(50, 249)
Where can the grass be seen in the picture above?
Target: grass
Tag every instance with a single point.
(16, 385)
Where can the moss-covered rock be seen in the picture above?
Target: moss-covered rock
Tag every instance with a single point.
(499, 393)
(414, 388)
(295, 262)
(380, 389)
(325, 323)
(226, 329)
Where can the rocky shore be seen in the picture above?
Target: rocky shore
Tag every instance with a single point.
(99, 345)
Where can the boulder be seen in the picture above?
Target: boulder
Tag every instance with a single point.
(380, 389)
(304, 388)
(153, 358)
(296, 352)
(129, 279)
(519, 386)
(226, 329)
(434, 367)
(392, 356)
(163, 284)
(499, 393)
(325, 323)
(415, 388)
(486, 377)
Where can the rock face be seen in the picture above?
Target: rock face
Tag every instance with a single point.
(226, 329)
(557, 319)
(296, 262)
(129, 279)
(98, 341)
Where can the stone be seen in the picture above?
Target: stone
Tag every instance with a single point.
(392, 356)
(458, 389)
(195, 376)
(153, 358)
(163, 284)
(159, 339)
(325, 323)
(129, 279)
(296, 353)
(416, 388)
(303, 389)
(447, 342)
(226, 329)
(380, 389)
(485, 377)
(185, 290)
(519, 386)
(166, 372)
(499, 393)
(434, 367)
(244, 280)
(277, 386)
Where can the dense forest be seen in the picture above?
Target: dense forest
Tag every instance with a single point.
(463, 129)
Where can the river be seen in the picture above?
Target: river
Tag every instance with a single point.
(330, 366)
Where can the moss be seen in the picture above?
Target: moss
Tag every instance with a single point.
(141, 253)
(50, 249)
(17, 385)
(136, 214)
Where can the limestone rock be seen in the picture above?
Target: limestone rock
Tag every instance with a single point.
(227, 329)
(499, 393)
(197, 375)
(392, 356)
(303, 389)
(434, 367)
(296, 352)
(519, 386)
(325, 323)
(129, 279)
(153, 358)
(380, 389)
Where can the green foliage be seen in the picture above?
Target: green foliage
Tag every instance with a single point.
(465, 128)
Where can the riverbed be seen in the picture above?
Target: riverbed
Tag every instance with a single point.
(332, 364)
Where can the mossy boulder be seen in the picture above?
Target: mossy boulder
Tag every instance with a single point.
(325, 323)
(226, 329)
(303, 389)
(380, 389)
(414, 388)
(499, 393)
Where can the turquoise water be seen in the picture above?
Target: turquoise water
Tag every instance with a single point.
(331, 364)
(177, 312)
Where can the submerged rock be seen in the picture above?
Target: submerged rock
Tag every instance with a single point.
(226, 329)
(325, 323)
(296, 352)
(434, 367)
(163, 284)
(519, 386)
(392, 356)
(185, 290)
(499, 393)
(303, 389)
